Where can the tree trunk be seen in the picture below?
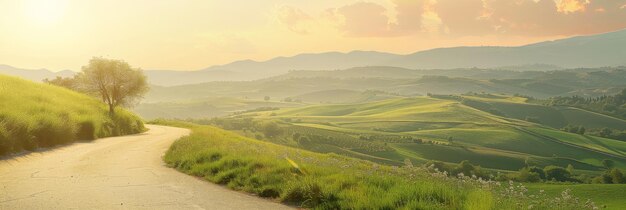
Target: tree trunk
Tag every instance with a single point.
(111, 109)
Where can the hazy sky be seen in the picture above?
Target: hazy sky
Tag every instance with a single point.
(193, 34)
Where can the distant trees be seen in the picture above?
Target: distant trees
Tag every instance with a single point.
(266, 98)
(614, 105)
(115, 82)
(575, 129)
(557, 173)
(66, 82)
(464, 167)
(608, 164)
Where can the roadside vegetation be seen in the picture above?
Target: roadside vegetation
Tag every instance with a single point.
(34, 115)
(330, 181)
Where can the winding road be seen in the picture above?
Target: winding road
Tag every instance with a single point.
(113, 173)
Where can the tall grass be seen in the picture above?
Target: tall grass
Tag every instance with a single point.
(36, 115)
(313, 180)
(329, 181)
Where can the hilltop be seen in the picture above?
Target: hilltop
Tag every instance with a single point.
(34, 115)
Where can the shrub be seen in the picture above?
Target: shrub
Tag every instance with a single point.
(86, 130)
(557, 173)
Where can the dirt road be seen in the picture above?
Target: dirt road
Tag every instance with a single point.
(113, 173)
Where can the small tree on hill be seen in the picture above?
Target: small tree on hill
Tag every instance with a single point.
(617, 176)
(115, 81)
(557, 173)
(608, 164)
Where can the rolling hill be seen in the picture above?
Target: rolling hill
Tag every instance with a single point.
(423, 128)
(34, 115)
(553, 116)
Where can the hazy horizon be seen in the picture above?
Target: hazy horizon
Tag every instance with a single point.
(61, 34)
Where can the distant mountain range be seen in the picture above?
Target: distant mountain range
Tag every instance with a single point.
(600, 50)
(36, 75)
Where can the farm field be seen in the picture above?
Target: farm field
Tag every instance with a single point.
(423, 129)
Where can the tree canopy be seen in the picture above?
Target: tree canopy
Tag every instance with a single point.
(115, 81)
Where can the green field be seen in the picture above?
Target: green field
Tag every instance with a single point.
(329, 181)
(553, 116)
(451, 130)
(610, 196)
(34, 115)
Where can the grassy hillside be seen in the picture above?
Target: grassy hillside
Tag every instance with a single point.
(34, 115)
(330, 181)
(424, 128)
(553, 116)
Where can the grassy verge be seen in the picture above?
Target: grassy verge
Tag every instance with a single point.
(329, 181)
(34, 115)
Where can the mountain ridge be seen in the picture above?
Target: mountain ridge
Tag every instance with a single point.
(599, 50)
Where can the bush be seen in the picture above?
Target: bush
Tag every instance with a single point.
(86, 130)
(557, 173)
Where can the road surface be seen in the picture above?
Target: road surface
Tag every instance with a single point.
(113, 173)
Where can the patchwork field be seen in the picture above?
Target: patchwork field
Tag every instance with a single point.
(422, 129)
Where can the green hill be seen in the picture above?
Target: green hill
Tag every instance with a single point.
(423, 128)
(34, 115)
(553, 116)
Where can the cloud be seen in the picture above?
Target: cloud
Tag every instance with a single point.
(464, 17)
(556, 17)
(459, 18)
(362, 19)
(571, 6)
(295, 19)
(409, 16)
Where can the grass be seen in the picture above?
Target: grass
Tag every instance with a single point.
(34, 115)
(459, 132)
(313, 180)
(328, 181)
(610, 196)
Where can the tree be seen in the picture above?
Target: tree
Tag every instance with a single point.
(115, 81)
(66, 82)
(556, 173)
(617, 176)
(267, 98)
(608, 164)
(271, 129)
(525, 175)
(581, 130)
(538, 171)
(605, 132)
(570, 168)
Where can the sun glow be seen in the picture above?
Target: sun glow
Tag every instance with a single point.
(44, 12)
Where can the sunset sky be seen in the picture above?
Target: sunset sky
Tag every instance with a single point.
(194, 34)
